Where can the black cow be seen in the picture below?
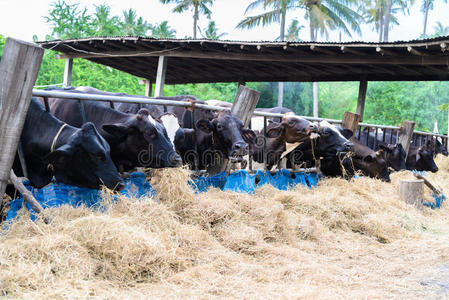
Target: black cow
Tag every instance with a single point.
(421, 159)
(80, 156)
(437, 146)
(394, 153)
(137, 140)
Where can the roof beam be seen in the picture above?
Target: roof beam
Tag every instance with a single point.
(383, 51)
(321, 50)
(345, 49)
(416, 52)
(175, 52)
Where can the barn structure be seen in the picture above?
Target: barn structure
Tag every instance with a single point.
(178, 61)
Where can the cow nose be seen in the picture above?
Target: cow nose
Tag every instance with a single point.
(349, 146)
(176, 160)
(240, 147)
(313, 127)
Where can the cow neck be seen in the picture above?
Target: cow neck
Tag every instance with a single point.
(100, 115)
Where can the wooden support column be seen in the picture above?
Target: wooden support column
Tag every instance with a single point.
(447, 129)
(160, 78)
(148, 87)
(244, 104)
(361, 100)
(315, 99)
(18, 72)
(406, 134)
(68, 72)
(350, 121)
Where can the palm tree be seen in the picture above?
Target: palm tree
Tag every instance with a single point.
(133, 25)
(104, 24)
(163, 31)
(426, 6)
(293, 31)
(198, 7)
(211, 32)
(277, 13)
(440, 30)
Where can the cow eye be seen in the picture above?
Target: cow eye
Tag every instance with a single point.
(291, 122)
(325, 133)
(219, 126)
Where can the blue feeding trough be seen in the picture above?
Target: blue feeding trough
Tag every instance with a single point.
(57, 194)
(437, 194)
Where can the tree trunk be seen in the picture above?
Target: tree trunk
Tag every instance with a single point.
(387, 19)
(426, 14)
(195, 20)
(315, 84)
(282, 36)
(381, 24)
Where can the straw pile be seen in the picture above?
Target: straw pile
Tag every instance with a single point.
(341, 240)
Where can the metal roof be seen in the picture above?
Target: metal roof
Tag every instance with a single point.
(204, 61)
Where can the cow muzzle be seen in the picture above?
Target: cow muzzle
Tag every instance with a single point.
(240, 149)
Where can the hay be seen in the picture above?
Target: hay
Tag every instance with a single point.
(343, 239)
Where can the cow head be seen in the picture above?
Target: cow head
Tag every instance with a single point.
(85, 161)
(424, 159)
(395, 156)
(436, 146)
(293, 128)
(333, 140)
(374, 165)
(228, 134)
(143, 141)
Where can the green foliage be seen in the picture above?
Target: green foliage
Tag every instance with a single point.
(2, 45)
(211, 32)
(163, 31)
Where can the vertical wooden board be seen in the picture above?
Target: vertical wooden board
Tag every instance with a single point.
(406, 134)
(68, 72)
(350, 121)
(363, 86)
(244, 104)
(18, 72)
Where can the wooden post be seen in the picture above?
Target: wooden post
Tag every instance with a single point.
(18, 72)
(350, 121)
(362, 97)
(68, 72)
(244, 104)
(148, 87)
(160, 78)
(447, 143)
(406, 134)
(412, 192)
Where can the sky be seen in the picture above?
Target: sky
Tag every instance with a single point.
(23, 18)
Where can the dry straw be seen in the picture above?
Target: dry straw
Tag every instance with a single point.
(343, 239)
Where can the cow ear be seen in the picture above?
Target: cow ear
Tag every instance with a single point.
(204, 125)
(276, 131)
(347, 133)
(58, 156)
(248, 135)
(368, 158)
(118, 131)
(384, 147)
(380, 153)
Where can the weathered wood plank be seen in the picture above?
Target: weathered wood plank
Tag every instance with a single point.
(18, 72)
(244, 104)
(68, 72)
(361, 99)
(350, 121)
(406, 134)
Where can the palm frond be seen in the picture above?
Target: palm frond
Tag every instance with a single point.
(264, 19)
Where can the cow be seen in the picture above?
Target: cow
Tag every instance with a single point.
(219, 103)
(75, 156)
(421, 159)
(394, 153)
(371, 163)
(292, 129)
(437, 146)
(136, 140)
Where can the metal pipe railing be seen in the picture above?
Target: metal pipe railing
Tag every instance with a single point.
(154, 101)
